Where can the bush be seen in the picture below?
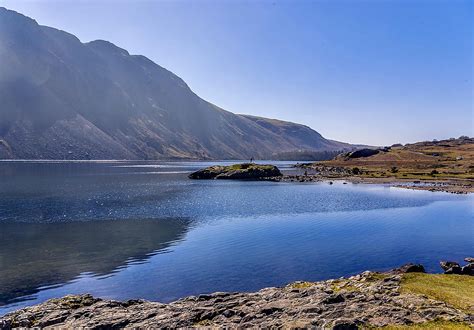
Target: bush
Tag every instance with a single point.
(394, 169)
(355, 171)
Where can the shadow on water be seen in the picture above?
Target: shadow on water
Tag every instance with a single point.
(38, 255)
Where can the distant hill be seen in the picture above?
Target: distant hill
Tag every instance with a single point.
(442, 160)
(63, 99)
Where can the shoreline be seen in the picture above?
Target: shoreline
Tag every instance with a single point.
(448, 185)
(369, 299)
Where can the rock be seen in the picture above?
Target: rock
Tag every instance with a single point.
(245, 171)
(456, 269)
(468, 269)
(333, 299)
(448, 264)
(344, 324)
(207, 173)
(409, 268)
(367, 300)
(366, 152)
(469, 260)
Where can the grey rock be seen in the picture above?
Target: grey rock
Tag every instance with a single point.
(410, 268)
(365, 300)
(468, 269)
(448, 264)
(456, 269)
(334, 299)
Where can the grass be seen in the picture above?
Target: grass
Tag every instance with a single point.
(337, 287)
(301, 285)
(247, 166)
(203, 323)
(416, 162)
(456, 290)
(430, 325)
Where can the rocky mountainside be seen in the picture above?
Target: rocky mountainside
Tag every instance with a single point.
(64, 99)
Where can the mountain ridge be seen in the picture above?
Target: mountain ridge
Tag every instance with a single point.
(64, 99)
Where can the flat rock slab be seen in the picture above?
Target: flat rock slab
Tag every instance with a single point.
(369, 299)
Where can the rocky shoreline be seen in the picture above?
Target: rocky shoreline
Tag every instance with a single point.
(449, 186)
(329, 174)
(370, 299)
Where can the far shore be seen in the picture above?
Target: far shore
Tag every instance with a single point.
(434, 184)
(445, 185)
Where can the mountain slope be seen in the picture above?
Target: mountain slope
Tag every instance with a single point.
(63, 99)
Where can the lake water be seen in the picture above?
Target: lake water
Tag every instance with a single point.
(126, 230)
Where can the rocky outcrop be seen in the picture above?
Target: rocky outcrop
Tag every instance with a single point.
(246, 171)
(369, 299)
(366, 152)
(452, 267)
(409, 268)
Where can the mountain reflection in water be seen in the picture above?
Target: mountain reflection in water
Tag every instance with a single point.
(56, 253)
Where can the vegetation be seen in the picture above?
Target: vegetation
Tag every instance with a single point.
(301, 285)
(430, 325)
(455, 290)
(242, 171)
(444, 160)
(248, 166)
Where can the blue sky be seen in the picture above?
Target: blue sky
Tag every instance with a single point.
(374, 72)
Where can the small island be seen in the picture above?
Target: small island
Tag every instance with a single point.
(244, 171)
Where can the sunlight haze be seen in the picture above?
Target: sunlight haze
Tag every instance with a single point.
(373, 72)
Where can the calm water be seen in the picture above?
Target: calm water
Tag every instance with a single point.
(127, 230)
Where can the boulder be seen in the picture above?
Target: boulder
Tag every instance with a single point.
(469, 260)
(413, 268)
(366, 152)
(454, 270)
(468, 269)
(446, 265)
(409, 268)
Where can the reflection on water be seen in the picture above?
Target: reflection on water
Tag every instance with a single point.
(39, 255)
(104, 228)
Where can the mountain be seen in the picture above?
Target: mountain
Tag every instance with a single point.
(64, 99)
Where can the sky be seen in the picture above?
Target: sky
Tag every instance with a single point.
(375, 72)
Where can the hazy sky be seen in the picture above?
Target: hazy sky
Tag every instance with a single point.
(375, 72)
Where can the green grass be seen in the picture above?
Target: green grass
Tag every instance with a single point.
(301, 285)
(246, 166)
(456, 290)
(430, 325)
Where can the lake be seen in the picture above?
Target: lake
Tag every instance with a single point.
(127, 230)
